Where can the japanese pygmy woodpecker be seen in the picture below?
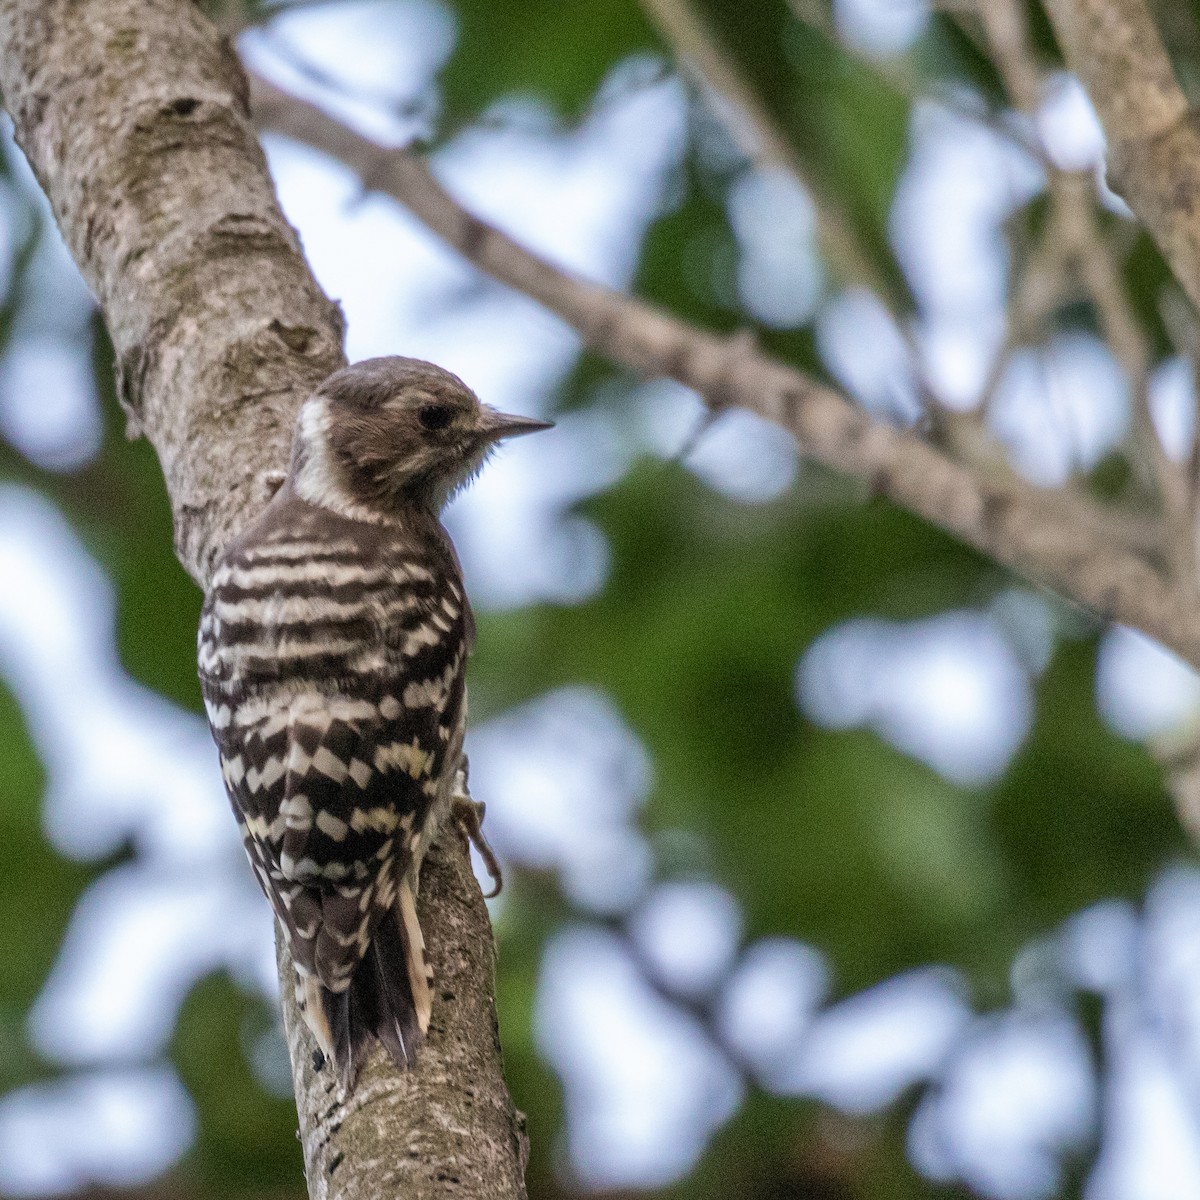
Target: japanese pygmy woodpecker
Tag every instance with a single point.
(332, 651)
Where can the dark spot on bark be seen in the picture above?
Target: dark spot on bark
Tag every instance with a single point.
(789, 400)
(35, 110)
(318, 1061)
(447, 996)
(299, 338)
(89, 235)
(245, 225)
(334, 1163)
(442, 1177)
(675, 363)
(132, 366)
(475, 234)
(183, 107)
(604, 330)
(858, 425)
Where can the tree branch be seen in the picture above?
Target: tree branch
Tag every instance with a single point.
(1153, 142)
(133, 115)
(1007, 519)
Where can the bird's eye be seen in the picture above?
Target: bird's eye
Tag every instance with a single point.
(435, 416)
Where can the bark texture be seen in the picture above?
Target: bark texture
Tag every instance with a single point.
(1041, 534)
(448, 1128)
(133, 115)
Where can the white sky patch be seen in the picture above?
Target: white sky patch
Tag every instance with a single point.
(1068, 126)
(518, 503)
(1100, 945)
(961, 182)
(1029, 623)
(564, 778)
(865, 351)
(115, 1128)
(860, 1054)
(1152, 1030)
(57, 301)
(123, 762)
(1142, 688)
(949, 690)
(1060, 408)
(881, 27)
(665, 415)
(1173, 405)
(741, 455)
(768, 1005)
(48, 403)
(690, 932)
(1170, 969)
(746, 458)
(779, 269)
(1150, 1149)
(1017, 1096)
(644, 1088)
(137, 943)
(957, 354)
(123, 765)
(9, 229)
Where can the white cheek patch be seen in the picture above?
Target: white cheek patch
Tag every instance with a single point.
(317, 481)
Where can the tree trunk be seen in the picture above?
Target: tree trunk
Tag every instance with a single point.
(133, 115)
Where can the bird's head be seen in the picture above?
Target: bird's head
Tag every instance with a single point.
(386, 433)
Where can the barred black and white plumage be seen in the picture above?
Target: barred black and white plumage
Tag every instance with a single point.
(332, 652)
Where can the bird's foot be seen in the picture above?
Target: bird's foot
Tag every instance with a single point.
(467, 815)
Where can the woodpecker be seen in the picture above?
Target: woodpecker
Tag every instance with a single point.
(332, 650)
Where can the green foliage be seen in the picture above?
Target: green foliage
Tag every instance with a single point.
(35, 917)
(247, 1140)
(539, 48)
(831, 836)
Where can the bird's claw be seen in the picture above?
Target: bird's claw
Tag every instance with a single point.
(467, 815)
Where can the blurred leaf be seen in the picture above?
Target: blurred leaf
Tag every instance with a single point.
(39, 889)
(247, 1139)
(538, 47)
(1082, 813)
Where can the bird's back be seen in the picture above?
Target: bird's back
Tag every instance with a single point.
(332, 655)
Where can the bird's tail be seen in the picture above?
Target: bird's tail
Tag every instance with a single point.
(388, 999)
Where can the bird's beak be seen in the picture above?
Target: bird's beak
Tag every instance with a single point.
(494, 425)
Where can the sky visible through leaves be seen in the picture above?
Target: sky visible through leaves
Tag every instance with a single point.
(839, 862)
